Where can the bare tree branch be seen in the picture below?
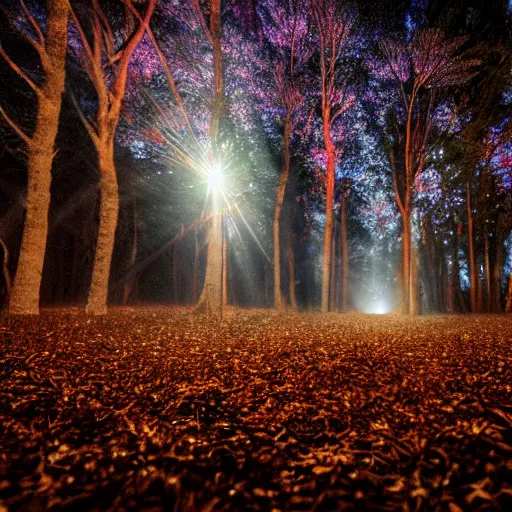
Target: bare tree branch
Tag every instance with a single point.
(21, 134)
(34, 23)
(88, 126)
(19, 71)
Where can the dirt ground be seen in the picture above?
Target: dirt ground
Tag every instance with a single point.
(156, 409)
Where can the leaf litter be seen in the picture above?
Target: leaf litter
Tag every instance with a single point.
(155, 409)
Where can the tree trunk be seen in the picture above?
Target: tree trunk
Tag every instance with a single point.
(473, 285)
(345, 276)
(210, 300)
(329, 193)
(24, 299)
(224, 270)
(291, 268)
(194, 270)
(109, 210)
(413, 281)
(456, 275)
(508, 300)
(332, 284)
(406, 260)
(5, 270)
(496, 275)
(487, 268)
(479, 295)
(450, 296)
(280, 193)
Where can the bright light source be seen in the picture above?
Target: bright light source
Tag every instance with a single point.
(215, 178)
(379, 307)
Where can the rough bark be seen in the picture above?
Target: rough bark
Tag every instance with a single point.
(109, 210)
(280, 194)
(24, 299)
(110, 92)
(210, 301)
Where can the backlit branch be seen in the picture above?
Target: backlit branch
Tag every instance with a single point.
(165, 66)
(15, 127)
(83, 38)
(19, 71)
(88, 126)
(34, 24)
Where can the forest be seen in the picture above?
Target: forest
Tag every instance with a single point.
(287, 154)
(255, 255)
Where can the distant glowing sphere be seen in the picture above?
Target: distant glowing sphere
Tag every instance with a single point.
(215, 178)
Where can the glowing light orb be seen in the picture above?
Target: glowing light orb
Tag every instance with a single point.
(215, 178)
(379, 307)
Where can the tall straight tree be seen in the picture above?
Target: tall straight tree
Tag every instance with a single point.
(429, 63)
(210, 301)
(51, 48)
(106, 59)
(286, 28)
(333, 29)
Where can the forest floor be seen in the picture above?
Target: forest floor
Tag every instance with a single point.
(155, 409)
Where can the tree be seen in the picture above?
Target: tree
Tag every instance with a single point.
(287, 31)
(51, 49)
(429, 63)
(109, 82)
(210, 301)
(333, 29)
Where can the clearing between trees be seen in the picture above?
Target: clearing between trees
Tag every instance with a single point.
(157, 409)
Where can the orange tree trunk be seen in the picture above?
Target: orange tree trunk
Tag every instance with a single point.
(329, 195)
(109, 209)
(344, 255)
(406, 259)
(24, 299)
(280, 193)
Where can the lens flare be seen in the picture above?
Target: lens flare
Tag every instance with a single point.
(215, 178)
